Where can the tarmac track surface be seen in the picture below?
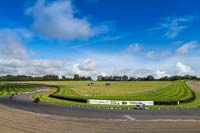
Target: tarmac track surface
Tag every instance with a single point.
(24, 102)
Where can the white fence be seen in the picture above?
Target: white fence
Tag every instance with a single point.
(115, 102)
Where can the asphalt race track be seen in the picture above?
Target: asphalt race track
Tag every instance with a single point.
(24, 102)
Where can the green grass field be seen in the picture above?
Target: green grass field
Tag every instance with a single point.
(115, 89)
(176, 89)
(156, 91)
(134, 90)
(99, 88)
(8, 89)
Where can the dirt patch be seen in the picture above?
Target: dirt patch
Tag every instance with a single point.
(17, 121)
(194, 85)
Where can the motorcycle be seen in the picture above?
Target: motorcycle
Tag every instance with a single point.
(37, 100)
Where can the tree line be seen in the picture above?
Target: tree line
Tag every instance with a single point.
(76, 77)
(43, 78)
(148, 78)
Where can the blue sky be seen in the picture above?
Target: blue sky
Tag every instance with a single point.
(100, 37)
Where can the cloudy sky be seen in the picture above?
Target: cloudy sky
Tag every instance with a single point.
(100, 37)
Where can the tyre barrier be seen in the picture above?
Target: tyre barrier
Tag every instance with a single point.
(69, 98)
(53, 95)
(166, 102)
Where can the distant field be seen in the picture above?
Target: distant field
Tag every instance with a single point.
(115, 88)
(100, 89)
(141, 90)
(8, 89)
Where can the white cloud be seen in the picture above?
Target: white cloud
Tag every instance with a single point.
(150, 54)
(44, 67)
(10, 45)
(13, 63)
(47, 63)
(57, 20)
(142, 72)
(133, 48)
(32, 67)
(173, 26)
(121, 72)
(115, 63)
(183, 69)
(87, 65)
(160, 74)
(185, 48)
(16, 59)
(84, 68)
(160, 54)
(103, 74)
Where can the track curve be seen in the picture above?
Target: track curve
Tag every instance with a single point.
(24, 102)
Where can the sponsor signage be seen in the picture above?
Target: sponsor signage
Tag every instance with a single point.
(116, 102)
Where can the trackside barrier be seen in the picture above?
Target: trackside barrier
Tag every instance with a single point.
(166, 103)
(53, 95)
(116, 102)
(69, 98)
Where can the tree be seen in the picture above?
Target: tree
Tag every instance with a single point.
(125, 78)
(100, 78)
(50, 77)
(76, 77)
(116, 78)
(166, 78)
(132, 79)
(63, 78)
(150, 78)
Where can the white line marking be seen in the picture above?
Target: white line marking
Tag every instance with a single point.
(128, 117)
